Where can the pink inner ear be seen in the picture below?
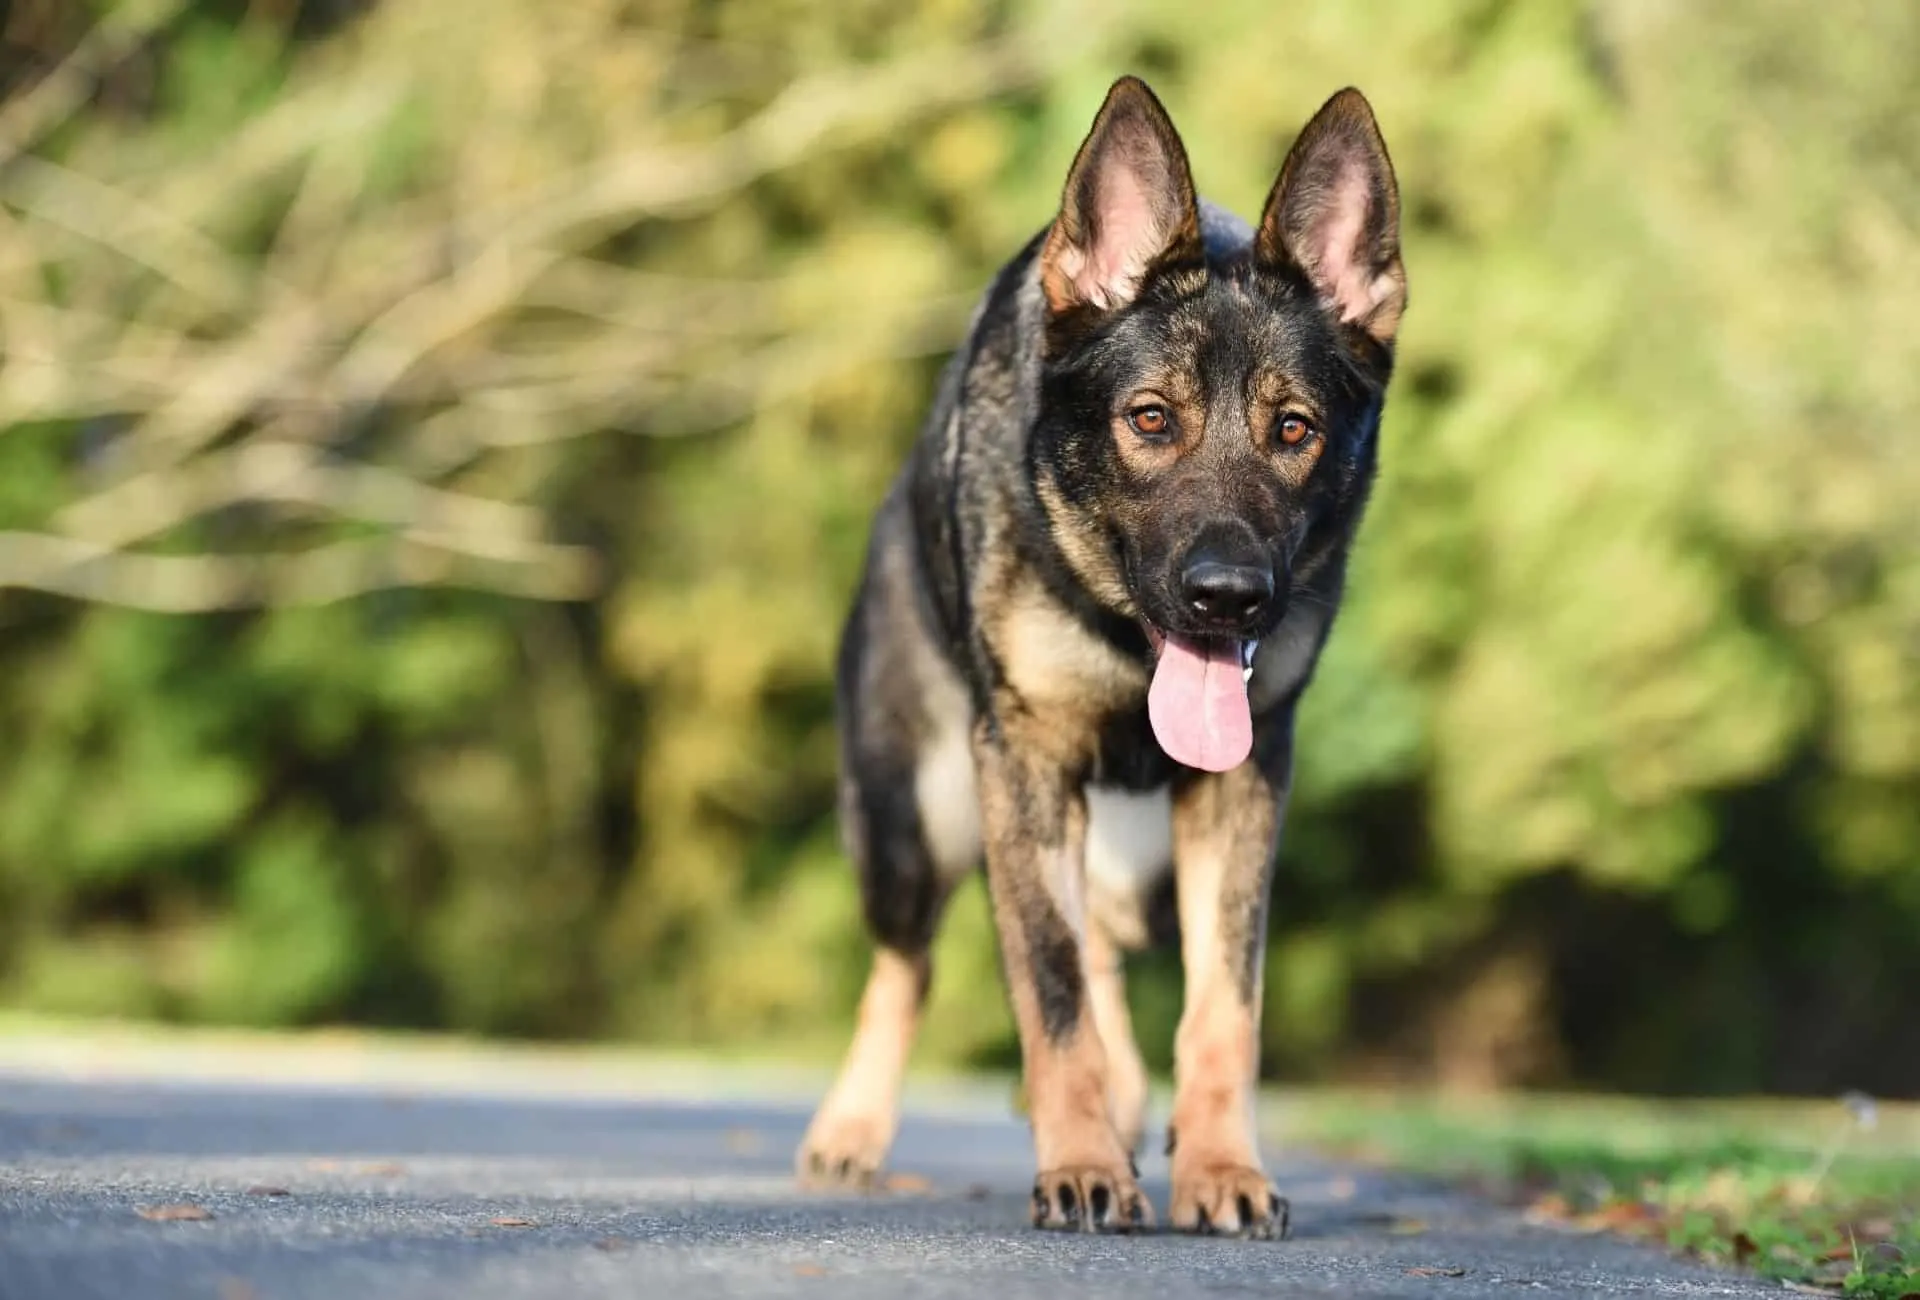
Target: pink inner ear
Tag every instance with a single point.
(1128, 234)
(1335, 249)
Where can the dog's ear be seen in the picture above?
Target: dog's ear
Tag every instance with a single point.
(1128, 204)
(1335, 214)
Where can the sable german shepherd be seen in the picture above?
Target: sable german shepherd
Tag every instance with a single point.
(1091, 603)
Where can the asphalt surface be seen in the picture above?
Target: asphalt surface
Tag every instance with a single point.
(329, 1190)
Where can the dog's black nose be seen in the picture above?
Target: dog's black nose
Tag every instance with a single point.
(1226, 593)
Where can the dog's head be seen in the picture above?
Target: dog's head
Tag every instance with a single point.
(1209, 401)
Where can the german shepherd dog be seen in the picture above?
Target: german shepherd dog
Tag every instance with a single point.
(1091, 603)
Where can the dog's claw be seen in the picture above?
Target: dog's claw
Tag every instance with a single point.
(1089, 1200)
(1229, 1200)
(841, 1154)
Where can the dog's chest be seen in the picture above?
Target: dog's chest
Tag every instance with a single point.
(1129, 838)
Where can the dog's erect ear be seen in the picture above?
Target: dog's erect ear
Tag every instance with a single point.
(1335, 214)
(1128, 203)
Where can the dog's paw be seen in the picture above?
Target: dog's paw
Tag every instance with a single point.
(843, 1151)
(1090, 1198)
(1232, 1200)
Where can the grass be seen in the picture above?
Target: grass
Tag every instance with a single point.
(1821, 1197)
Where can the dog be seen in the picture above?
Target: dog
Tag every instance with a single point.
(1091, 602)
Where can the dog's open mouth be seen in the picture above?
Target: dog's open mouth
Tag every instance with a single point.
(1198, 700)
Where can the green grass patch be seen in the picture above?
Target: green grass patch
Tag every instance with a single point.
(1820, 1196)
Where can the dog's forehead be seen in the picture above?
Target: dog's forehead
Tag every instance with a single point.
(1230, 334)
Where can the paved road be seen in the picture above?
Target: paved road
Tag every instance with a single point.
(448, 1191)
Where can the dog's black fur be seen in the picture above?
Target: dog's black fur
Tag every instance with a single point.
(1162, 422)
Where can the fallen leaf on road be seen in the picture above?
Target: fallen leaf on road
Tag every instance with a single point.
(1551, 1208)
(906, 1183)
(510, 1221)
(261, 1189)
(368, 1168)
(1621, 1216)
(1427, 1271)
(808, 1270)
(173, 1213)
(1618, 1212)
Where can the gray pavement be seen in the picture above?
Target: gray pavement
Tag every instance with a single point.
(437, 1188)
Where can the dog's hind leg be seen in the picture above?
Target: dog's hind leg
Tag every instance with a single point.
(848, 1139)
(905, 891)
(910, 816)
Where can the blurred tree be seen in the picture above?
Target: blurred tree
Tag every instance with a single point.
(436, 442)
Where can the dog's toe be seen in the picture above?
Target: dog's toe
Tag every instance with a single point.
(843, 1151)
(1230, 1200)
(1090, 1199)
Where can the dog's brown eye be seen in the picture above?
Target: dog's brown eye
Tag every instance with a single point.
(1150, 421)
(1294, 429)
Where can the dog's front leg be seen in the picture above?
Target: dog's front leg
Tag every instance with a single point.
(1034, 819)
(1225, 830)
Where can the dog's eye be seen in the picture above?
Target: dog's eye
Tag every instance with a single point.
(1293, 429)
(1151, 422)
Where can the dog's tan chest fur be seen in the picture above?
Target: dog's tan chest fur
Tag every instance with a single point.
(1055, 666)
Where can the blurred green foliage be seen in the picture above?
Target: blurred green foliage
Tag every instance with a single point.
(1612, 772)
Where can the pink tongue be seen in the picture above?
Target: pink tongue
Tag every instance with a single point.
(1198, 704)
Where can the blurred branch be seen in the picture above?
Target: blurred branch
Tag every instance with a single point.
(136, 231)
(792, 366)
(30, 117)
(515, 248)
(291, 473)
(841, 106)
(239, 380)
(187, 584)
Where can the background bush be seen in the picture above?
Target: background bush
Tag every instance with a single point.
(437, 440)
